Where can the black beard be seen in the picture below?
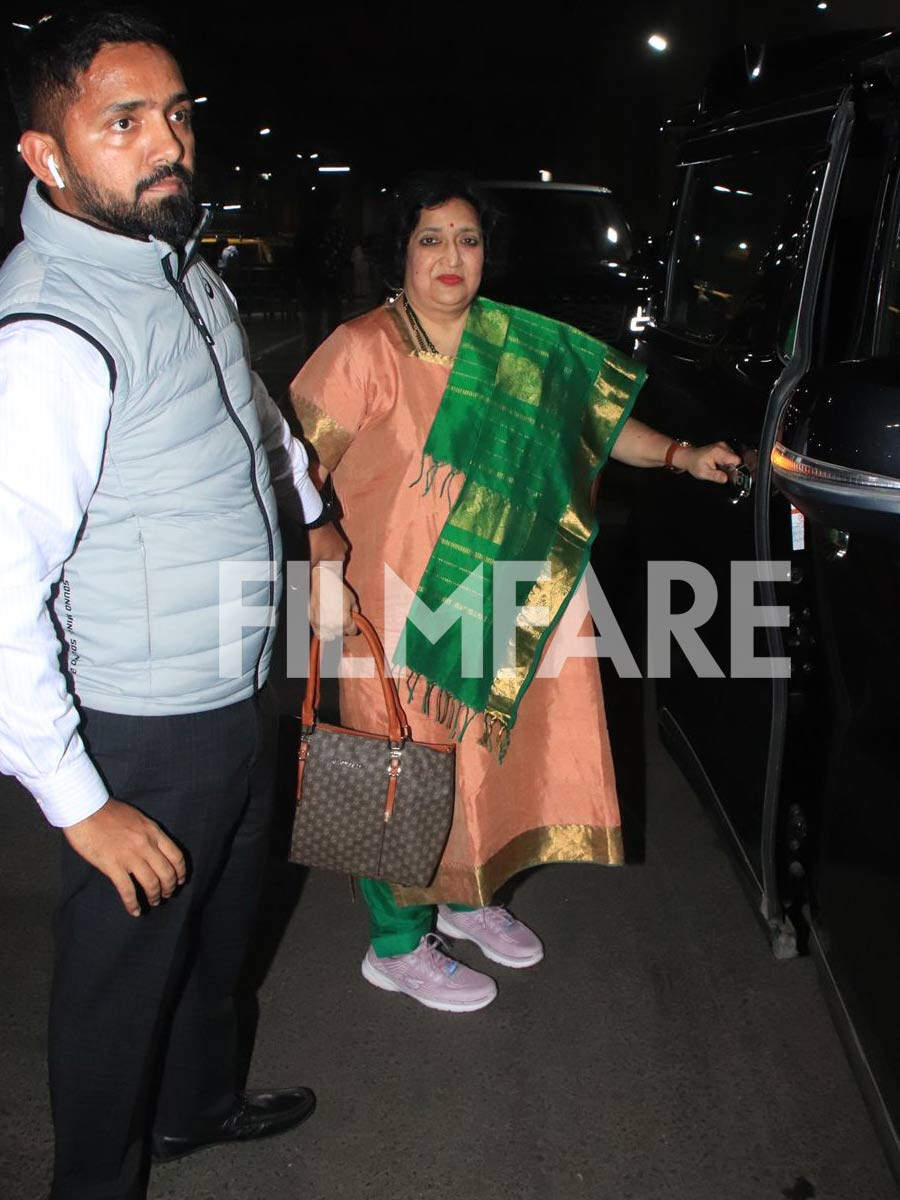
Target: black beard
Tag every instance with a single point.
(171, 219)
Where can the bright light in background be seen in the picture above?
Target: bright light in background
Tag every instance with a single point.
(822, 6)
(544, 175)
(756, 72)
(314, 156)
(334, 170)
(230, 207)
(200, 99)
(639, 321)
(742, 192)
(384, 189)
(299, 155)
(267, 175)
(20, 25)
(743, 246)
(612, 235)
(265, 131)
(237, 168)
(720, 187)
(658, 43)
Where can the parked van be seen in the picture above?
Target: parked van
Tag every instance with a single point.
(777, 328)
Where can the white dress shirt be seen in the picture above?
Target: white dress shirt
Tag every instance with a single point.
(55, 402)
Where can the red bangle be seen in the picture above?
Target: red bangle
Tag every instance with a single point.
(670, 454)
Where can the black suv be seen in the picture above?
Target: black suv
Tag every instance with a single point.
(777, 329)
(565, 250)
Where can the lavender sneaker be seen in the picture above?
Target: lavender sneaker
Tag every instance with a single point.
(431, 977)
(496, 933)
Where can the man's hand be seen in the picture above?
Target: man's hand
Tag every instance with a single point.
(331, 602)
(122, 843)
(326, 545)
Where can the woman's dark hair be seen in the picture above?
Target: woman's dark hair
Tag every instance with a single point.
(50, 57)
(428, 189)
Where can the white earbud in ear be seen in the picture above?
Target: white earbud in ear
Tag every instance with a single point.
(54, 171)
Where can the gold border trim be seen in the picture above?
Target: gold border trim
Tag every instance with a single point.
(533, 848)
(327, 437)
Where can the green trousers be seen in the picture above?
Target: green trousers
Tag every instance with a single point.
(396, 929)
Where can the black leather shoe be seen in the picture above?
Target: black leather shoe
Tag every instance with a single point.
(257, 1115)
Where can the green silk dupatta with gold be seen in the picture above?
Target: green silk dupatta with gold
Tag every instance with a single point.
(530, 413)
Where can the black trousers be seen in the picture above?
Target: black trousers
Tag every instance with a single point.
(142, 1013)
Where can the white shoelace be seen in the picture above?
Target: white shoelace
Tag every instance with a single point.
(435, 956)
(497, 917)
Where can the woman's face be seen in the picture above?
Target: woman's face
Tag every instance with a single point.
(444, 259)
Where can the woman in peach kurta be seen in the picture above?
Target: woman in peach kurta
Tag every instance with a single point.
(367, 399)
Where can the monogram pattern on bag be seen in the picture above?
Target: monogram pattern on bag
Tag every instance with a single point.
(339, 823)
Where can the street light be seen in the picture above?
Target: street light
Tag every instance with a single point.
(333, 170)
(200, 99)
(657, 42)
(265, 131)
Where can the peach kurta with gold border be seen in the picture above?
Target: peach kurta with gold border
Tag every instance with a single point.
(366, 400)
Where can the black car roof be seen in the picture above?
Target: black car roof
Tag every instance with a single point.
(767, 76)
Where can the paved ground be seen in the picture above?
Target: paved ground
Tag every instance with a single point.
(658, 1053)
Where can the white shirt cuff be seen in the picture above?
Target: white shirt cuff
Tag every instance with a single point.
(310, 499)
(72, 793)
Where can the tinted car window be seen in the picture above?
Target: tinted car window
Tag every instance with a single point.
(554, 226)
(735, 223)
(888, 342)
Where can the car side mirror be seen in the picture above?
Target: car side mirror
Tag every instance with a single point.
(837, 454)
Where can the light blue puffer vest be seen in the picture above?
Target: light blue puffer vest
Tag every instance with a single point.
(185, 479)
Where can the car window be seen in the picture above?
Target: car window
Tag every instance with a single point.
(557, 226)
(888, 337)
(741, 241)
(785, 264)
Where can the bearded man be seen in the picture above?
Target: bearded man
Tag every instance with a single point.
(139, 453)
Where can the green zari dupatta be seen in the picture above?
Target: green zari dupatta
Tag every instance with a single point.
(531, 410)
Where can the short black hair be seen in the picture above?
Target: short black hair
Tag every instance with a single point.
(428, 189)
(50, 57)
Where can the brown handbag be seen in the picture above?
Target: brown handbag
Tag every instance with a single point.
(377, 805)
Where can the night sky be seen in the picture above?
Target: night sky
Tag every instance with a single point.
(486, 87)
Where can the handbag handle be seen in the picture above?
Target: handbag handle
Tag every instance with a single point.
(398, 727)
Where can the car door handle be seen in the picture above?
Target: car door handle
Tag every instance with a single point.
(741, 475)
(740, 482)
